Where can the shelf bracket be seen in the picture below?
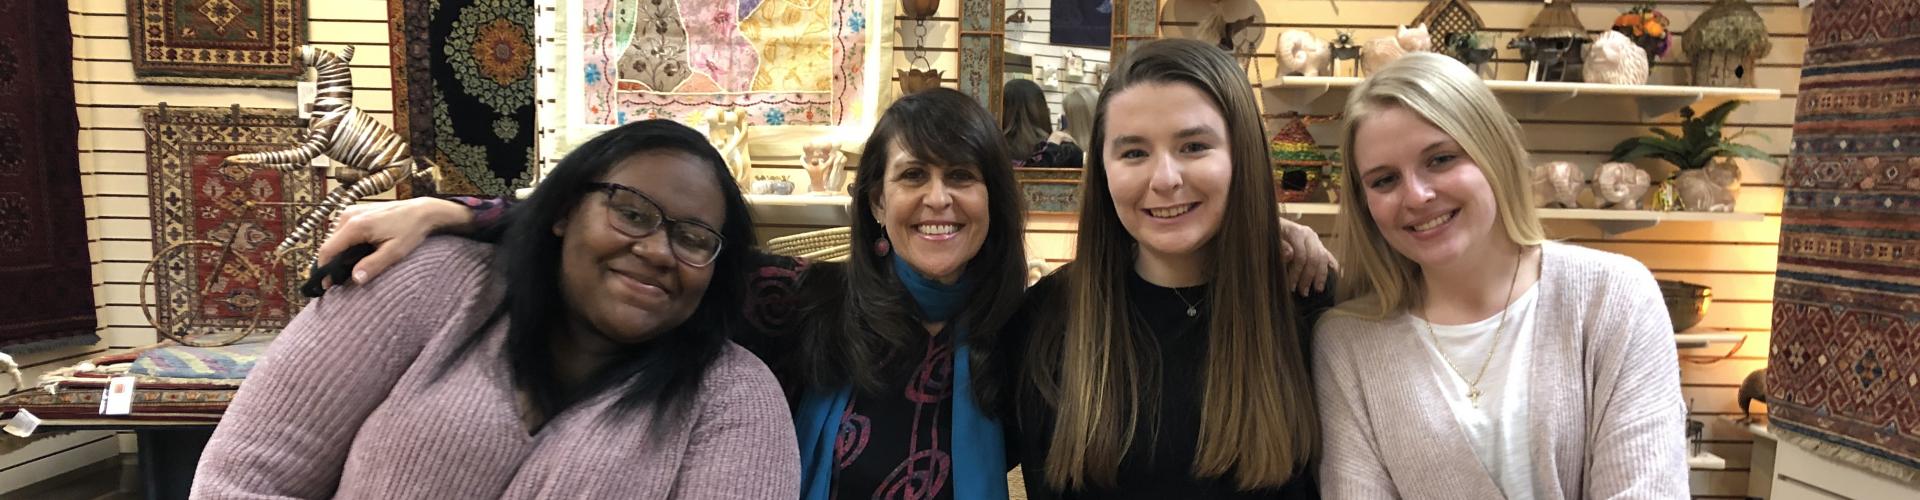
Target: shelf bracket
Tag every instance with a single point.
(1612, 228)
(1300, 99)
(1654, 106)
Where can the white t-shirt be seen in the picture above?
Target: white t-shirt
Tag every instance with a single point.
(1497, 427)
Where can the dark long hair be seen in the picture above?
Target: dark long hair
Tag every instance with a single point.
(664, 372)
(1102, 373)
(1023, 117)
(849, 336)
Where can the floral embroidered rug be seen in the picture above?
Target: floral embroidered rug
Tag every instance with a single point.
(463, 91)
(1844, 371)
(46, 278)
(195, 197)
(248, 43)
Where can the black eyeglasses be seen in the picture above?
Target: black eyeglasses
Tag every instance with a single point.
(635, 215)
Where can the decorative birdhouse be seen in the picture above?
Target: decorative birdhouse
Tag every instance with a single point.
(1297, 160)
(1723, 44)
(1554, 45)
(1449, 20)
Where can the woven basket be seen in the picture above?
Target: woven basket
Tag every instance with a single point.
(832, 244)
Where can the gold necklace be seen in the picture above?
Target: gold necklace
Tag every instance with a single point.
(1473, 386)
(1193, 308)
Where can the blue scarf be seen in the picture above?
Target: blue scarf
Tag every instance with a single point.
(979, 452)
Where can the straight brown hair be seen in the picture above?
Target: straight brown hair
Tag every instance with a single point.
(1258, 422)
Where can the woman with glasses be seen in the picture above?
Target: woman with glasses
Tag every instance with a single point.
(584, 356)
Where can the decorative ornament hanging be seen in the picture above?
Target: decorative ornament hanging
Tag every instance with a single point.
(920, 74)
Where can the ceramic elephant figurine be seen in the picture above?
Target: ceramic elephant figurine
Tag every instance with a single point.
(1300, 53)
(1558, 184)
(1620, 185)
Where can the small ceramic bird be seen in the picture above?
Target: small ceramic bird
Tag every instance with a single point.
(1753, 389)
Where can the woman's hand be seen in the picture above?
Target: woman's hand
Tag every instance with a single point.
(395, 227)
(1309, 264)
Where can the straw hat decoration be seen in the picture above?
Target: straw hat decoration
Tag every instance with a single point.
(1723, 44)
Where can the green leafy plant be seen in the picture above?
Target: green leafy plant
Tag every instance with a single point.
(1700, 141)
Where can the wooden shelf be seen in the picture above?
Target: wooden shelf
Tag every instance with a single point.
(1302, 94)
(1706, 461)
(1697, 340)
(1609, 221)
(801, 209)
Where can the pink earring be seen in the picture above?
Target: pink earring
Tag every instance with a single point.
(882, 247)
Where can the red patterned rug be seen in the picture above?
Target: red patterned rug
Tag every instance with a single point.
(46, 279)
(195, 197)
(249, 43)
(1844, 377)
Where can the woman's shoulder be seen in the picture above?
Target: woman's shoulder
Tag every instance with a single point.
(1354, 322)
(737, 378)
(1579, 264)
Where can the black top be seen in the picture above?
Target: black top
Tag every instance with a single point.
(1159, 461)
(895, 443)
(898, 443)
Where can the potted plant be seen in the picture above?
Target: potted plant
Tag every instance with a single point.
(1647, 28)
(1706, 181)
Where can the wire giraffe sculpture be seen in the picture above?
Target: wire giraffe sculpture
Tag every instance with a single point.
(372, 158)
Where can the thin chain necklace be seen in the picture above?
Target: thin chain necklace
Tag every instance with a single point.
(1193, 308)
(1473, 386)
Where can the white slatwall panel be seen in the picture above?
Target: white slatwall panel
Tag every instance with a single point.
(113, 177)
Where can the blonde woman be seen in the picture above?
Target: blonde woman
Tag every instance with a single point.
(1473, 358)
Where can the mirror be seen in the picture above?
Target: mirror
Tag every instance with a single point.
(1063, 47)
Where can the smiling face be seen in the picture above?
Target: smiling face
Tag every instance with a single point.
(935, 215)
(1168, 166)
(632, 289)
(1429, 199)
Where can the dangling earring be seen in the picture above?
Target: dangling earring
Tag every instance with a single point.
(882, 247)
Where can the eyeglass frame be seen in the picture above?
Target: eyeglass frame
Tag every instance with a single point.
(666, 222)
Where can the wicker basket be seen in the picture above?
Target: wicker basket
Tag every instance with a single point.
(831, 245)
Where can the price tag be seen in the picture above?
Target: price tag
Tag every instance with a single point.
(119, 397)
(22, 424)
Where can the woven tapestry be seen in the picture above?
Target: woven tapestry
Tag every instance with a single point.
(46, 282)
(1844, 377)
(195, 197)
(785, 62)
(248, 43)
(463, 91)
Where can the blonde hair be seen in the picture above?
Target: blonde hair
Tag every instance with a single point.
(1102, 373)
(1446, 94)
(1078, 108)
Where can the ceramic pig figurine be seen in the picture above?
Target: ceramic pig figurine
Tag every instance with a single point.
(1708, 189)
(1379, 52)
(1558, 184)
(1620, 185)
(1615, 59)
(1302, 54)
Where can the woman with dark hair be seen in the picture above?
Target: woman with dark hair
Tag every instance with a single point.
(1029, 134)
(1168, 360)
(884, 357)
(585, 356)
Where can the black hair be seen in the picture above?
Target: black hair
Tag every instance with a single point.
(850, 333)
(664, 372)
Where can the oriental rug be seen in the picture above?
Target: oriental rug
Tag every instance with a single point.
(463, 75)
(1844, 368)
(194, 196)
(248, 43)
(46, 280)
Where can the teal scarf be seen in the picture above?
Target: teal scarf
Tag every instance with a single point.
(979, 452)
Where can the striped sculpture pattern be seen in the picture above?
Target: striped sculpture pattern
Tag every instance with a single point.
(371, 158)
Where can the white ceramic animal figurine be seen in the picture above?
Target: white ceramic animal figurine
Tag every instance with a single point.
(1708, 189)
(1379, 52)
(1620, 185)
(1615, 59)
(1558, 184)
(1301, 54)
(727, 130)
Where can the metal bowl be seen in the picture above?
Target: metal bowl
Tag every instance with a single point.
(1686, 302)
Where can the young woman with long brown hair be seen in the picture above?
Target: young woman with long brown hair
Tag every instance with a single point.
(1167, 361)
